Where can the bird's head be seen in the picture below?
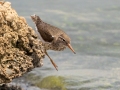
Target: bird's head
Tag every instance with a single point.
(65, 40)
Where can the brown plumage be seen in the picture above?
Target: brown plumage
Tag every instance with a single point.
(55, 38)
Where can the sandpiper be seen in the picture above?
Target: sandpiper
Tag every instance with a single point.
(55, 38)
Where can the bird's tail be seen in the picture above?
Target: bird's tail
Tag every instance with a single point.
(36, 19)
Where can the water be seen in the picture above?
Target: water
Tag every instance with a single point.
(94, 28)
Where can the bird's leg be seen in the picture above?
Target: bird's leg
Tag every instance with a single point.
(52, 61)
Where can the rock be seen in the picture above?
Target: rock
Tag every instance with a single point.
(20, 49)
(10, 87)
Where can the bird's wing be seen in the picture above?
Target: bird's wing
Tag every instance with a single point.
(54, 31)
(46, 36)
(48, 32)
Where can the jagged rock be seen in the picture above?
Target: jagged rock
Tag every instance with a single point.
(20, 49)
(10, 87)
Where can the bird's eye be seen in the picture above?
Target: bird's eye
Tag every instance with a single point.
(63, 39)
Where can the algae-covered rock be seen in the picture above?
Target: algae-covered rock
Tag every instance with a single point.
(20, 50)
(52, 83)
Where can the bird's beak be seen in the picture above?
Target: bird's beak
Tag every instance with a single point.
(71, 48)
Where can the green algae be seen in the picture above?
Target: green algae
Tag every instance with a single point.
(52, 82)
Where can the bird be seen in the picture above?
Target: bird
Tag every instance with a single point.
(54, 38)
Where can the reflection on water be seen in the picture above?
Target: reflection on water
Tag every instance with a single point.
(94, 28)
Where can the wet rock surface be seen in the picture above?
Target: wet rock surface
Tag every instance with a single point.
(20, 49)
(10, 87)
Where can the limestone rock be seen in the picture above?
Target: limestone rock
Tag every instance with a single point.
(20, 49)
